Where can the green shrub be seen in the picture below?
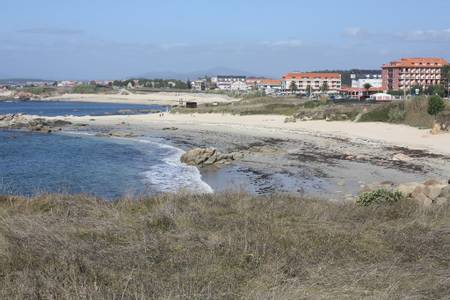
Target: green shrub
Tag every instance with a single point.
(84, 89)
(312, 104)
(379, 114)
(379, 197)
(396, 115)
(435, 105)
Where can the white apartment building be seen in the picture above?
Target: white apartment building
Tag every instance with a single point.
(312, 81)
(229, 82)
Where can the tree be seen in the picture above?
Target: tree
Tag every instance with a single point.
(436, 90)
(367, 87)
(435, 105)
(293, 87)
(189, 84)
(324, 87)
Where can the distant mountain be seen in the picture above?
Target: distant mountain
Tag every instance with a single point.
(22, 80)
(193, 75)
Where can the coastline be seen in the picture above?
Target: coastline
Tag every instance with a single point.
(313, 158)
(160, 98)
(274, 126)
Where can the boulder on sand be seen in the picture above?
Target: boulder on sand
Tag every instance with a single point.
(202, 157)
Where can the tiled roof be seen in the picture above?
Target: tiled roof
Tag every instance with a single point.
(290, 76)
(418, 62)
(270, 82)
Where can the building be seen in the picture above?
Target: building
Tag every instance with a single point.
(199, 85)
(360, 80)
(228, 82)
(269, 86)
(406, 73)
(311, 81)
(360, 93)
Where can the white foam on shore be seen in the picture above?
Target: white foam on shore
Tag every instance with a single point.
(171, 175)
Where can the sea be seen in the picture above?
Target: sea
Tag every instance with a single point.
(83, 163)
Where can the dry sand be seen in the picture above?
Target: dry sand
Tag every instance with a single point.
(274, 126)
(160, 98)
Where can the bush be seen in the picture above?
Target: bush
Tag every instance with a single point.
(435, 105)
(379, 197)
(379, 114)
(84, 89)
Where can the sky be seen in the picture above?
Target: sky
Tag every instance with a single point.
(108, 39)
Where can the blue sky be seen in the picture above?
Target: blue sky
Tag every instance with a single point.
(116, 39)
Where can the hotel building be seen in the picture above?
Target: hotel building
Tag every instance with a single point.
(314, 80)
(406, 73)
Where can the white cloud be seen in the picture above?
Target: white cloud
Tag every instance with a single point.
(426, 35)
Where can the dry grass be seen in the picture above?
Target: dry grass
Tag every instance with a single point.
(221, 247)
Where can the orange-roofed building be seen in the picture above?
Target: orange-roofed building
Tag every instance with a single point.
(406, 73)
(313, 81)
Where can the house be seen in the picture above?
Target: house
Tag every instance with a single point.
(270, 86)
(360, 80)
(360, 93)
(381, 97)
(310, 82)
(406, 73)
(225, 82)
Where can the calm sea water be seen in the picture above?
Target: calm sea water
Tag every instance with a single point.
(35, 163)
(60, 108)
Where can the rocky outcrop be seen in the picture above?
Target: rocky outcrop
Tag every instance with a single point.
(123, 134)
(19, 121)
(428, 193)
(203, 157)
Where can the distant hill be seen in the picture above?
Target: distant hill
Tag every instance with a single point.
(22, 80)
(193, 75)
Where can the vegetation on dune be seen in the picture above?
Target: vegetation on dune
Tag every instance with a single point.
(221, 246)
(435, 105)
(250, 106)
(379, 197)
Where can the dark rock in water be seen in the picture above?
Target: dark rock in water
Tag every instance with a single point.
(123, 134)
(19, 121)
(170, 128)
(202, 157)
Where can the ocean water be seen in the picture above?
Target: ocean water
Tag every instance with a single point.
(34, 163)
(61, 108)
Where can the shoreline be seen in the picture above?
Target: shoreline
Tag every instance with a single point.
(158, 98)
(274, 126)
(334, 160)
(305, 158)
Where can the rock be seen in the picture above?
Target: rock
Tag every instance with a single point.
(422, 199)
(170, 128)
(445, 192)
(401, 157)
(206, 157)
(436, 129)
(433, 191)
(408, 188)
(290, 120)
(441, 201)
(123, 134)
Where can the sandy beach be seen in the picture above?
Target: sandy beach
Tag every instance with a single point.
(275, 127)
(160, 98)
(333, 160)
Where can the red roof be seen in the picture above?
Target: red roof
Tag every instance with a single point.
(419, 62)
(270, 82)
(296, 75)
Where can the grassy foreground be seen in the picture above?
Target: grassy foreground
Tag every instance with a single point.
(221, 246)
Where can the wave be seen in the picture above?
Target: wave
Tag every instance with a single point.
(168, 174)
(172, 175)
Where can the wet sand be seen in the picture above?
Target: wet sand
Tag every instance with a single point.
(333, 160)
